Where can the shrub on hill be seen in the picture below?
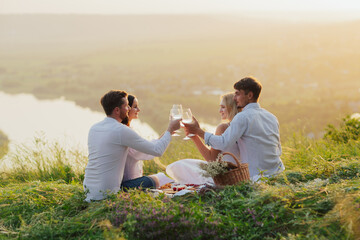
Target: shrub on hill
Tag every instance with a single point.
(348, 130)
(4, 142)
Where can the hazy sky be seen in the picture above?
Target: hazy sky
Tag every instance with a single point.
(176, 6)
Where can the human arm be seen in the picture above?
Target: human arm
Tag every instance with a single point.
(209, 154)
(237, 128)
(157, 147)
(194, 128)
(139, 155)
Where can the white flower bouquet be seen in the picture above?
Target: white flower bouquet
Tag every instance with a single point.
(214, 168)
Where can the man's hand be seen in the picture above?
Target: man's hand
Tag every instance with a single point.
(194, 128)
(174, 125)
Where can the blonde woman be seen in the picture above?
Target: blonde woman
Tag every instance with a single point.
(187, 170)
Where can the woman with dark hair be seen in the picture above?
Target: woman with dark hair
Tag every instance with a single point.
(134, 162)
(133, 111)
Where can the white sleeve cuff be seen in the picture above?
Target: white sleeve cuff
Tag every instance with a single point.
(207, 137)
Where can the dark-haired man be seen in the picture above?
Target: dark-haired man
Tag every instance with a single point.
(109, 142)
(255, 130)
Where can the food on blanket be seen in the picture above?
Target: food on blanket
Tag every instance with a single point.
(165, 186)
(192, 185)
(169, 191)
(178, 187)
(172, 188)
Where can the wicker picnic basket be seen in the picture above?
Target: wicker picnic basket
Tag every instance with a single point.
(233, 176)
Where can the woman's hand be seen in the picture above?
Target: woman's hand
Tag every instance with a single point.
(194, 128)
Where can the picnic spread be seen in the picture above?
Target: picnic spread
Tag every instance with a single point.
(176, 189)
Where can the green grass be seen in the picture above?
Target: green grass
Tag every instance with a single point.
(317, 197)
(45, 161)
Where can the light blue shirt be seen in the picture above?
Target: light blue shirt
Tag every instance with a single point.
(257, 133)
(108, 143)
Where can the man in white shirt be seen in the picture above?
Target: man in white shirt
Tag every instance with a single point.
(254, 129)
(109, 142)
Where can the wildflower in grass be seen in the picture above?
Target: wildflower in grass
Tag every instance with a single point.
(260, 224)
(160, 220)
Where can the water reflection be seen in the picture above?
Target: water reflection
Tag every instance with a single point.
(23, 117)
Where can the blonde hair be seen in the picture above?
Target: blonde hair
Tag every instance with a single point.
(230, 105)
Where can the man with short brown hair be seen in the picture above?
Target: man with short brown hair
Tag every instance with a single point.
(254, 129)
(109, 142)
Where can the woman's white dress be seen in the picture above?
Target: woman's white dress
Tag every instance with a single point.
(187, 171)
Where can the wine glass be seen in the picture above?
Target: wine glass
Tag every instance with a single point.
(178, 106)
(176, 114)
(187, 118)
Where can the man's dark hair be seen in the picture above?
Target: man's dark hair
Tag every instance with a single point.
(249, 84)
(112, 99)
(131, 102)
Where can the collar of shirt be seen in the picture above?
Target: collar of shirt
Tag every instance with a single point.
(110, 119)
(251, 106)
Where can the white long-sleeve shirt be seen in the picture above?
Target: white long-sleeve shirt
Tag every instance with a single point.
(108, 143)
(257, 133)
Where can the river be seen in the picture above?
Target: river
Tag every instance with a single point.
(23, 117)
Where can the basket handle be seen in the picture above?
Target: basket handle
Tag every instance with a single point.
(237, 160)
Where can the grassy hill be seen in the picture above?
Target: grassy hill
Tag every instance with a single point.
(317, 197)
